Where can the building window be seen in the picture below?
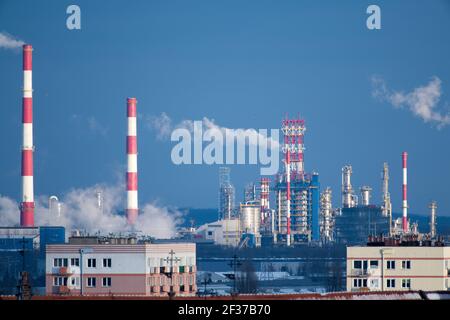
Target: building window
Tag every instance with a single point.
(406, 283)
(357, 264)
(60, 262)
(406, 264)
(391, 264)
(391, 283)
(374, 283)
(60, 281)
(374, 264)
(360, 283)
(106, 282)
(91, 282)
(107, 263)
(181, 269)
(75, 281)
(75, 262)
(92, 263)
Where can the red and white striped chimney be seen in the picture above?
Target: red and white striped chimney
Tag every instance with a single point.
(132, 180)
(288, 198)
(27, 205)
(405, 199)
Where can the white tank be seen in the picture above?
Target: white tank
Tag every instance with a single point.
(366, 195)
(250, 217)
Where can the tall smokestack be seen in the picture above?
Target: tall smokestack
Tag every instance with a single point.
(132, 180)
(433, 207)
(405, 199)
(27, 205)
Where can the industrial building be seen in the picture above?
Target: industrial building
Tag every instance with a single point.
(354, 225)
(226, 194)
(356, 221)
(226, 232)
(250, 223)
(297, 193)
(23, 249)
(389, 264)
(295, 218)
(120, 266)
(327, 216)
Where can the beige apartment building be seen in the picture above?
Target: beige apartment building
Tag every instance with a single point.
(398, 268)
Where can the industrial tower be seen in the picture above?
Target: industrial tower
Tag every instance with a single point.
(297, 193)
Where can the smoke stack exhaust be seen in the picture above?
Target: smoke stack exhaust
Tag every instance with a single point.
(405, 198)
(27, 204)
(132, 180)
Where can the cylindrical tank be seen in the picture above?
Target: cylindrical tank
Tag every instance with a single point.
(250, 217)
(365, 195)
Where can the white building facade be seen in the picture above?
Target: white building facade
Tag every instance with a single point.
(113, 269)
(398, 268)
(226, 232)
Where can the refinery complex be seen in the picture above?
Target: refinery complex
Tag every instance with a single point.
(285, 234)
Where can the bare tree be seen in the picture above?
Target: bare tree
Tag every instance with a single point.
(247, 280)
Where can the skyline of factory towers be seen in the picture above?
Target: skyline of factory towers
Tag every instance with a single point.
(27, 204)
(132, 208)
(293, 148)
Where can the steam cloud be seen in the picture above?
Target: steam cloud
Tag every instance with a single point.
(163, 127)
(9, 42)
(422, 101)
(80, 211)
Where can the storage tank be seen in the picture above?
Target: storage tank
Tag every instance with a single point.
(250, 213)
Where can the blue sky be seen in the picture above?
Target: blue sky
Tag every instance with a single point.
(244, 64)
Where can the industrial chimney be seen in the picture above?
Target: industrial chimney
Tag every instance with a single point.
(433, 207)
(27, 204)
(132, 180)
(404, 193)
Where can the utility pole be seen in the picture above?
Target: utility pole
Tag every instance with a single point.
(234, 264)
(206, 279)
(169, 274)
(82, 252)
(23, 288)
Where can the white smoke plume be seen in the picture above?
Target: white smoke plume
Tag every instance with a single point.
(9, 42)
(422, 101)
(159, 222)
(9, 212)
(163, 127)
(80, 211)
